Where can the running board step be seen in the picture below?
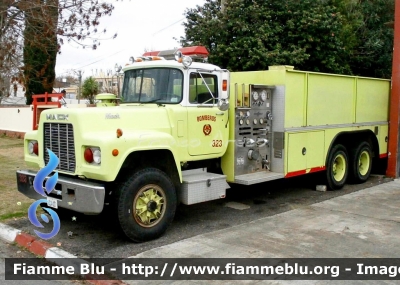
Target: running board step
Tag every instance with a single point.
(200, 186)
(257, 177)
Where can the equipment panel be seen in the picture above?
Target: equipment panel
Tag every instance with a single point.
(253, 132)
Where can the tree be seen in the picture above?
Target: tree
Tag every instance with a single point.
(90, 89)
(251, 35)
(9, 40)
(338, 36)
(10, 55)
(62, 82)
(40, 49)
(37, 30)
(366, 36)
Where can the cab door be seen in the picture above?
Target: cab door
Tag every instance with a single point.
(207, 125)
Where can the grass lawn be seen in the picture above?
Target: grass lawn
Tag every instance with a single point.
(12, 203)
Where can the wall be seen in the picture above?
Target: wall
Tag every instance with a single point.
(16, 120)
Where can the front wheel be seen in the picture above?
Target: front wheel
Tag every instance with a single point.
(146, 205)
(337, 167)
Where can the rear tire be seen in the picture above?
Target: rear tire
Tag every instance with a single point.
(361, 162)
(337, 168)
(146, 205)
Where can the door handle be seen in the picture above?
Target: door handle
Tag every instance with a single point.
(219, 114)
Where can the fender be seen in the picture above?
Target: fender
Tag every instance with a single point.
(129, 142)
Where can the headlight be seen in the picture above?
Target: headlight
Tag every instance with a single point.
(178, 56)
(33, 147)
(92, 155)
(97, 156)
(187, 61)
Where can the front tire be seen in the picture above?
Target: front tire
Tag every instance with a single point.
(146, 205)
(337, 168)
(361, 162)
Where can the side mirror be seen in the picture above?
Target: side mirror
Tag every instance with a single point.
(223, 104)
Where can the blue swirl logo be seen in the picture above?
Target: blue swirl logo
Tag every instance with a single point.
(49, 186)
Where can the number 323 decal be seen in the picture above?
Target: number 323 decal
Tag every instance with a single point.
(217, 143)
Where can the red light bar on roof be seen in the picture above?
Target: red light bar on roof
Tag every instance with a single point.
(151, 53)
(195, 51)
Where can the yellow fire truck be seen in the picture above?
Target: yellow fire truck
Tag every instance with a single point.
(183, 129)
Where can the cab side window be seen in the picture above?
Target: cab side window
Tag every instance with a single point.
(200, 87)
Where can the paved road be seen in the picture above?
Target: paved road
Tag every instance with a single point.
(12, 251)
(363, 224)
(98, 236)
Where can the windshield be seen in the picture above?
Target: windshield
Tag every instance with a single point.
(153, 85)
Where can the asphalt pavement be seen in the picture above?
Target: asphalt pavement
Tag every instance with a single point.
(362, 224)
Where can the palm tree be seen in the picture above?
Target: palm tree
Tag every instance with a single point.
(90, 89)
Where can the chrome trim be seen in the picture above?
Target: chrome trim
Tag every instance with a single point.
(88, 197)
(59, 138)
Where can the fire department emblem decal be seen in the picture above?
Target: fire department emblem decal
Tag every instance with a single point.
(207, 129)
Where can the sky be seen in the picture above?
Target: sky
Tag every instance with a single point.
(140, 24)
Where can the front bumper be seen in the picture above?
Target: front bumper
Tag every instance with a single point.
(71, 193)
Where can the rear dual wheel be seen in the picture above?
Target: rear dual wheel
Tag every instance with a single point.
(361, 162)
(337, 167)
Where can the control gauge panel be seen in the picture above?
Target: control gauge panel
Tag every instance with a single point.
(253, 131)
(265, 94)
(255, 95)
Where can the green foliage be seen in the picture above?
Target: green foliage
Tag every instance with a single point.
(90, 89)
(337, 36)
(367, 37)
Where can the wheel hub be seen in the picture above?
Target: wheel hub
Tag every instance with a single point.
(364, 163)
(149, 205)
(339, 167)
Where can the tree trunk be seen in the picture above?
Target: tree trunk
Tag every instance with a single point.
(40, 49)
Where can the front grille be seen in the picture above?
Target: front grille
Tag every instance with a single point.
(59, 138)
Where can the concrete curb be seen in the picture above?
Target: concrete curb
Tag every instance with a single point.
(48, 251)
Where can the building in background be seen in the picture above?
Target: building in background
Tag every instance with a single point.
(107, 80)
(71, 91)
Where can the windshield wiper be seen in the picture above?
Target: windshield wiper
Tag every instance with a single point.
(152, 101)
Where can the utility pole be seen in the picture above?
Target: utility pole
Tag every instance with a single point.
(394, 119)
(79, 74)
(80, 86)
(117, 71)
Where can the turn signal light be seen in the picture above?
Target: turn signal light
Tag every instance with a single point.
(119, 133)
(224, 85)
(115, 152)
